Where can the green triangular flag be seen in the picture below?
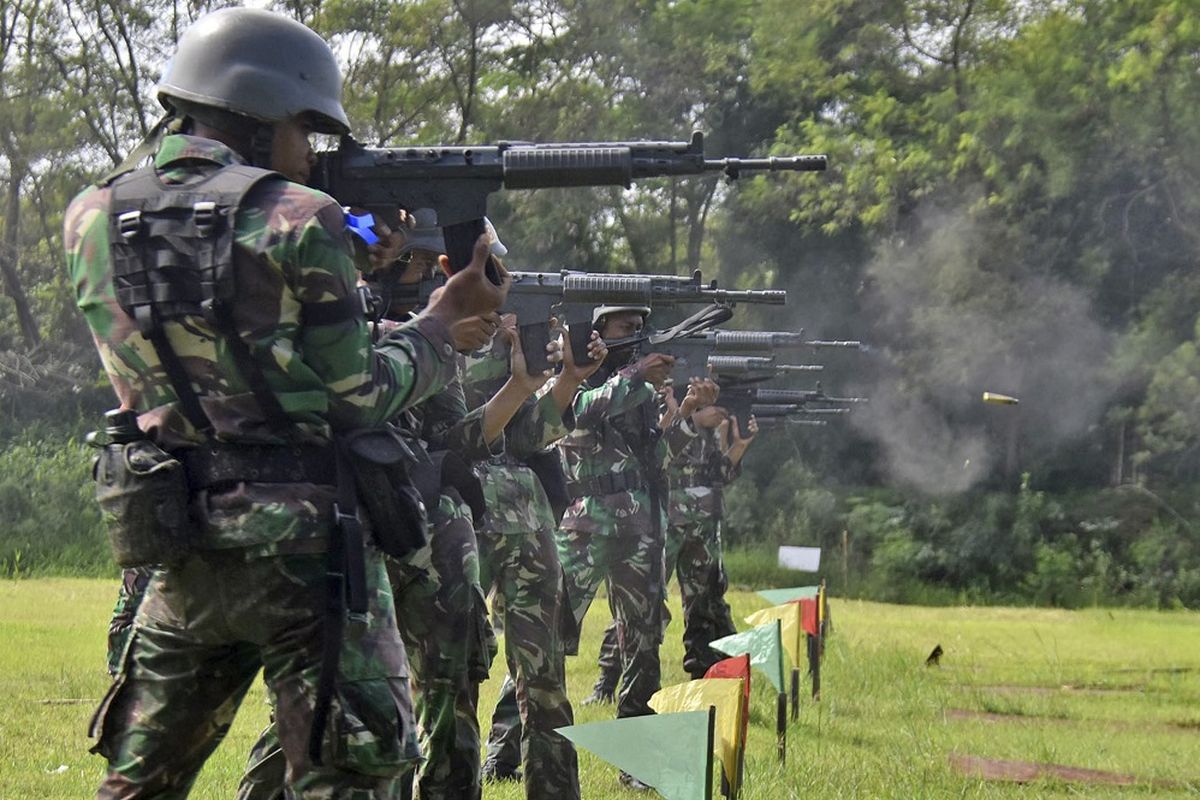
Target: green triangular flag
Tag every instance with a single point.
(670, 752)
(778, 597)
(765, 646)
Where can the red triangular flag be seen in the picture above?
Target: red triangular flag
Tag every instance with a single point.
(808, 617)
(736, 667)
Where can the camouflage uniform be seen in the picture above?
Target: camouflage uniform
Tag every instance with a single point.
(696, 506)
(442, 616)
(613, 530)
(252, 593)
(520, 563)
(443, 613)
(133, 588)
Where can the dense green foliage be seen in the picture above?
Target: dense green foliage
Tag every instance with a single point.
(1010, 207)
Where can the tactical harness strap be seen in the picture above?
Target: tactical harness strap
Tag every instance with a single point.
(172, 251)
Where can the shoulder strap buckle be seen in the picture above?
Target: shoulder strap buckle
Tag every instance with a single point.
(204, 214)
(129, 223)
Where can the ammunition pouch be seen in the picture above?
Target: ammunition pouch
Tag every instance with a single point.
(547, 465)
(378, 461)
(144, 499)
(451, 471)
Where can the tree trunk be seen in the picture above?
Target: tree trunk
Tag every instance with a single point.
(10, 256)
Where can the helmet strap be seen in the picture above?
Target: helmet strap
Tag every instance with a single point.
(261, 142)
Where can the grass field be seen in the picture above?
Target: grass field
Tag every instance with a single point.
(1107, 690)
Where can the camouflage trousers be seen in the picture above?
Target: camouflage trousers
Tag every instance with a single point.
(694, 555)
(442, 618)
(525, 572)
(200, 636)
(632, 564)
(133, 588)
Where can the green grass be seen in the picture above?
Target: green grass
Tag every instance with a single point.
(1097, 689)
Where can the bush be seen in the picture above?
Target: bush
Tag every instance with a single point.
(51, 522)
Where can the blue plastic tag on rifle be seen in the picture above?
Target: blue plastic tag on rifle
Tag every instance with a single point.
(361, 226)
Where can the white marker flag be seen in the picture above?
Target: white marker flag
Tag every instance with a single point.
(802, 559)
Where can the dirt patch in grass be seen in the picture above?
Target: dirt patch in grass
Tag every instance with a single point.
(989, 716)
(1065, 688)
(995, 769)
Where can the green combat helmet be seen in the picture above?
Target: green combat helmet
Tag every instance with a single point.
(246, 62)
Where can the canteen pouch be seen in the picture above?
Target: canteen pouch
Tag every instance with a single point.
(393, 506)
(143, 496)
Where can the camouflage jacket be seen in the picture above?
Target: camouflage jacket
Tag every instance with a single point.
(290, 249)
(516, 500)
(443, 422)
(616, 432)
(697, 474)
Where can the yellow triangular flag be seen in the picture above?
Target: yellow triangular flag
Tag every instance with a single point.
(792, 630)
(820, 605)
(726, 695)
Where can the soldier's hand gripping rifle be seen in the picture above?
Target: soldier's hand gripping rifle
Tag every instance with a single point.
(572, 296)
(455, 181)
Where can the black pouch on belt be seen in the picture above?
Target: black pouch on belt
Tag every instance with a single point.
(143, 496)
(379, 461)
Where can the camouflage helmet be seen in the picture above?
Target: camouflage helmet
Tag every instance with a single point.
(255, 64)
(602, 311)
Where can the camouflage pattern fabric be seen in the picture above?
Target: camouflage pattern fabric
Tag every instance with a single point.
(253, 594)
(618, 537)
(201, 635)
(442, 610)
(443, 620)
(133, 587)
(519, 563)
(693, 553)
(442, 617)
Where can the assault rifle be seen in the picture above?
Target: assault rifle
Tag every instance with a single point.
(742, 401)
(771, 422)
(455, 181)
(693, 354)
(749, 369)
(572, 296)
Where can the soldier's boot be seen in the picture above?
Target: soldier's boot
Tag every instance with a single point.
(503, 760)
(500, 773)
(609, 661)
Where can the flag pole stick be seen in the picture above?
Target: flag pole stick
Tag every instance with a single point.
(796, 693)
(814, 665)
(781, 725)
(781, 702)
(712, 728)
(741, 768)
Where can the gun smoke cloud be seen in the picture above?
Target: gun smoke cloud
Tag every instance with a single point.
(957, 313)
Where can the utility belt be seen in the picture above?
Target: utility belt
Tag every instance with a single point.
(694, 482)
(217, 464)
(608, 483)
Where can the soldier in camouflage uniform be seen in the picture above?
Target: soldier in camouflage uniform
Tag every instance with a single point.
(250, 592)
(520, 564)
(698, 475)
(440, 607)
(613, 530)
